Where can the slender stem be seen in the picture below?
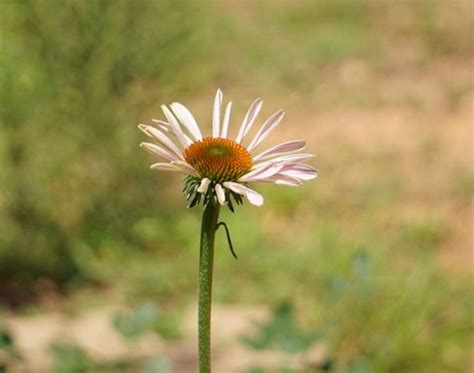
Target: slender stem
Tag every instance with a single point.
(206, 259)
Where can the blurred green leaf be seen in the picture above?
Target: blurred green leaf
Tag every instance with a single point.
(70, 358)
(137, 322)
(281, 332)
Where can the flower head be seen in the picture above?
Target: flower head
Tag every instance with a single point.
(219, 168)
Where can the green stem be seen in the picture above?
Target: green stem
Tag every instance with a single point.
(206, 259)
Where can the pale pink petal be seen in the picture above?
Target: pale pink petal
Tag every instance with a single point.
(283, 180)
(185, 167)
(299, 170)
(225, 124)
(287, 180)
(249, 119)
(296, 166)
(204, 185)
(216, 114)
(292, 173)
(253, 197)
(159, 151)
(161, 122)
(220, 194)
(165, 127)
(292, 158)
(187, 119)
(161, 138)
(302, 175)
(286, 147)
(262, 173)
(164, 167)
(175, 128)
(261, 165)
(266, 128)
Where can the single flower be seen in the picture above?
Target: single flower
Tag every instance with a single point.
(219, 168)
(218, 171)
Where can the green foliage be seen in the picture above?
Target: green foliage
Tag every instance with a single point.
(137, 322)
(463, 185)
(374, 312)
(71, 358)
(72, 87)
(281, 332)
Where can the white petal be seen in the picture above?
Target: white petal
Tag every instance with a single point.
(159, 151)
(225, 124)
(249, 119)
(185, 117)
(286, 147)
(175, 128)
(216, 114)
(220, 194)
(161, 138)
(164, 167)
(266, 128)
(185, 167)
(204, 185)
(253, 197)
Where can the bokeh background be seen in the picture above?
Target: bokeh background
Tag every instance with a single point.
(366, 269)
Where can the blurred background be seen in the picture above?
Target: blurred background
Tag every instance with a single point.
(366, 269)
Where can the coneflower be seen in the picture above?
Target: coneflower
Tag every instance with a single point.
(218, 171)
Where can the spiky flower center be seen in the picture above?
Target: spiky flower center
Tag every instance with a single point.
(219, 159)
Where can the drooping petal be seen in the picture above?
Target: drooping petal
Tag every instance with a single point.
(266, 128)
(286, 147)
(204, 185)
(175, 128)
(220, 194)
(225, 124)
(216, 114)
(161, 138)
(187, 119)
(159, 151)
(185, 167)
(249, 119)
(253, 197)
